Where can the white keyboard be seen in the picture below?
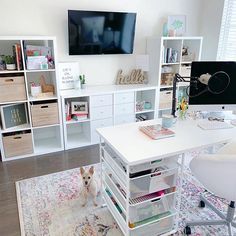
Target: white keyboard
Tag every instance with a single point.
(213, 124)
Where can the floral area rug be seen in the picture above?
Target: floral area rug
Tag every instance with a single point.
(51, 205)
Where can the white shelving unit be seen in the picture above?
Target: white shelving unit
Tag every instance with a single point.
(43, 138)
(108, 106)
(165, 59)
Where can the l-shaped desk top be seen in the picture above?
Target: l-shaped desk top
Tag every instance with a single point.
(134, 147)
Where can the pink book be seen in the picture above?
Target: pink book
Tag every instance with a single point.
(157, 131)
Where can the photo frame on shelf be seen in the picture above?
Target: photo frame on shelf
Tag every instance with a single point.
(176, 25)
(14, 115)
(68, 71)
(79, 108)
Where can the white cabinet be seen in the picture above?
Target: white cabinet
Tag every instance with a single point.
(43, 132)
(114, 106)
(167, 56)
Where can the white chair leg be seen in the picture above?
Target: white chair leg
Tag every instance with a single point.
(230, 230)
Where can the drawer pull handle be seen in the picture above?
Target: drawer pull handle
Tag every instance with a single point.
(44, 106)
(155, 174)
(156, 200)
(17, 137)
(9, 80)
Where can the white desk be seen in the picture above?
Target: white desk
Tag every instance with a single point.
(134, 147)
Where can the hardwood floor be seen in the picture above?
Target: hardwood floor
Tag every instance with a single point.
(12, 171)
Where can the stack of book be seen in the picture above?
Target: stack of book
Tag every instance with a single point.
(156, 131)
(18, 56)
(169, 55)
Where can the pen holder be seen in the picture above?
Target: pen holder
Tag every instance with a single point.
(36, 90)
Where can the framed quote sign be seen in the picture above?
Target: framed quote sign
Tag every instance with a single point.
(68, 71)
(14, 115)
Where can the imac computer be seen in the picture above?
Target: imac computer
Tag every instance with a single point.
(212, 86)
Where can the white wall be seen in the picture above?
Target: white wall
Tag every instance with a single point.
(28, 17)
(210, 17)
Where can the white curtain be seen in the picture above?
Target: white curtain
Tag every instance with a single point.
(227, 41)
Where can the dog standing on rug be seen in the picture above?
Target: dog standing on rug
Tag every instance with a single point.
(90, 186)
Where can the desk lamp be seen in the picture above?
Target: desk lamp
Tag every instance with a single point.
(215, 84)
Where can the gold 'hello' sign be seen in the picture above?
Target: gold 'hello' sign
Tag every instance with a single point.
(136, 76)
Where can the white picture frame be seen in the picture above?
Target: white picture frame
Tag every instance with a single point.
(79, 108)
(67, 73)
(176, 25)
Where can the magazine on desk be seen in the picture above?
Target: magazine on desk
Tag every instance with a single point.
(157, 131)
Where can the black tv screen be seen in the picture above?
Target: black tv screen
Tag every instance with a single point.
(99, 32)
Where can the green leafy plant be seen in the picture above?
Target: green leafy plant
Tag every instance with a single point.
(8, 59)
(82, 79)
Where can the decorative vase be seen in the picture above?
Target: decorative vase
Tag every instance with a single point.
(83, 86)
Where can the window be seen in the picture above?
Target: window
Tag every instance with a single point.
(227, 40)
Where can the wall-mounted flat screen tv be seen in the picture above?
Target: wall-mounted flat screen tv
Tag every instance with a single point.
(100, 32)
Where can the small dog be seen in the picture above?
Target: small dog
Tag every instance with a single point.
(90, 186)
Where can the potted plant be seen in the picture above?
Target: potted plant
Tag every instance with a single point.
(10, 62)
(82, 81)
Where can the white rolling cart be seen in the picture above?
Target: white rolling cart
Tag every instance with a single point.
(142, 195)
(142, 177)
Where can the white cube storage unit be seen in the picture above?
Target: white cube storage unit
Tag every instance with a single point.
(107, 106)
(167, 56)
(42, 132)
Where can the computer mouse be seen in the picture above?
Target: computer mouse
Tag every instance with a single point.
(233, 122)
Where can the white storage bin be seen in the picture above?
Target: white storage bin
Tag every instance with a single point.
(152, 208)
(101, 100)
(153, 182)
(155, 229)
(153, 164)
(123, 109)
(115, 163)
(124, 97)
(101, 112)
(113, 186)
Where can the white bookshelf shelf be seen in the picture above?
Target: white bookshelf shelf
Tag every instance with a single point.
(39, 71)
(16, 129)
(158, 51)
(144, 111)
(48, 137)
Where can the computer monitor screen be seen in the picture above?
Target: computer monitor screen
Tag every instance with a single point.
(220, 93)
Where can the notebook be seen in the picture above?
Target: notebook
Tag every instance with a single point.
(156, 131)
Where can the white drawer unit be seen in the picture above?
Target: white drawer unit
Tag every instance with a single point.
(107, 106)
(98, 124)
(101, 112)
(101, 100)
(122, 109)
(123, 119)
(152, 189)
(126, 97)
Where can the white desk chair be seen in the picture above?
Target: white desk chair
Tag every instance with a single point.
(217, 173)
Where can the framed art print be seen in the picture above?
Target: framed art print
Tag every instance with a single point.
(79, 108)
(176, 25)
(14, 115)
